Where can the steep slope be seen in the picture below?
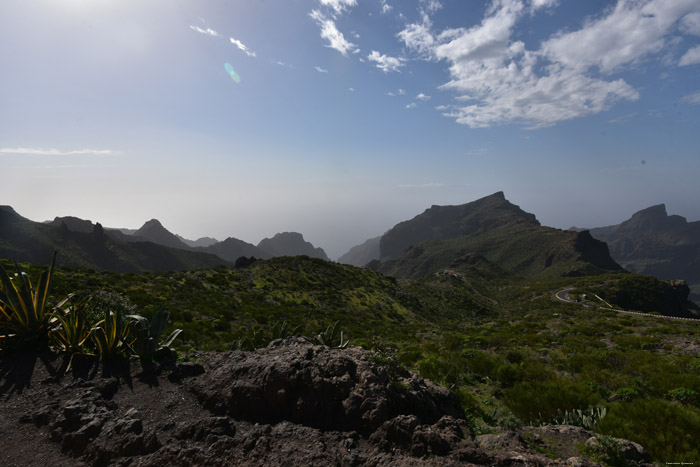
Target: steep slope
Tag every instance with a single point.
(652, 242)
(25, 240)
(445, 222)
(360, 255)
(290, 244)
(503, 236)
(153, 231)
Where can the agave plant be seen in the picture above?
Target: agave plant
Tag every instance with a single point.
(112, 336)
(24, 313)
(71, 329)
(280, 330)
(330, 337)
(147, 337)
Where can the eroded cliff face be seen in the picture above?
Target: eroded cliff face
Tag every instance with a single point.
(291, 403)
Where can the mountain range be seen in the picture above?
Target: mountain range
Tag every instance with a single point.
(490, 234)
(152, 247)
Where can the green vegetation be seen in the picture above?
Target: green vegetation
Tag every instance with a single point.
(512, 353)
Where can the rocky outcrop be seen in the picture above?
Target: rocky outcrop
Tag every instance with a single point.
(319, 387)
(292, 403)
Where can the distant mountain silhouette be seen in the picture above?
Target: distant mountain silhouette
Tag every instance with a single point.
(74, 224)
(498, 233)
(652, 242)
(360, 255)
(290, 244)
(153, 231)
(200, 242)
(24, 240)
(232, 248)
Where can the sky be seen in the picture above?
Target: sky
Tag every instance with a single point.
(340, 118)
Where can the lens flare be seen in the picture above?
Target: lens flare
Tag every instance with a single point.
(232, 73)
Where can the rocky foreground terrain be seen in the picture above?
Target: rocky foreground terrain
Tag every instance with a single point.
(292, 403)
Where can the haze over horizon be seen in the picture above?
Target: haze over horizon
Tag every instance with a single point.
(340, 118)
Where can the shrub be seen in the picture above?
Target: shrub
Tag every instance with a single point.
(536, 402)
(667, 430)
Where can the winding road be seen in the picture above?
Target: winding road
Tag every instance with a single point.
(563, 296)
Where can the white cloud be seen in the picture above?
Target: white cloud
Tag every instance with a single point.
(693, 98)
(57, 152)
(401, 92)
(499, 81)
(624, 35)
(390, 94)
(385, 62)
(691, 57)
(321, 70)
(538, 4)
(242, 46)
(422, 97)
(351, 89)
(207, 31)
(330, 32)
(410, 106)
(690, 24)
(339, 6)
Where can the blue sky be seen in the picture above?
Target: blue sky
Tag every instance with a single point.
(346, 116)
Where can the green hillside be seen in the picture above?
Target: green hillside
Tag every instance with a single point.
(522, 251)
(511, 351)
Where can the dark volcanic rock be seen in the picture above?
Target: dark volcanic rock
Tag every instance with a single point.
(316, 386)
(289, 404)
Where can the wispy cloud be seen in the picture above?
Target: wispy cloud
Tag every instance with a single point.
(57, 152)
(351, 89)
(410, 106)
(207, 31)
(692, 98)
(422, 97)
(321, 70)
(330, 32)
(423, 185)
(386, 8)
(385, 62)
(623, 118)
(242, 47)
